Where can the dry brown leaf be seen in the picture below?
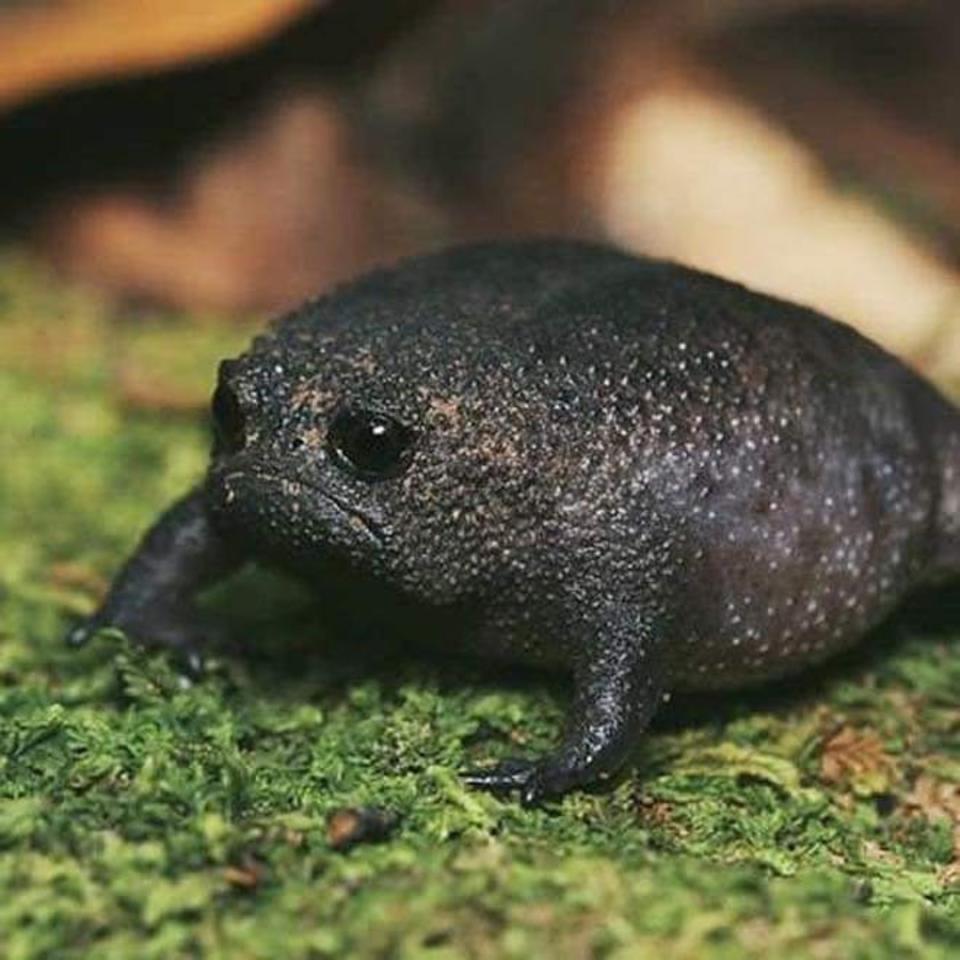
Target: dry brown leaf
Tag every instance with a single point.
(247, 876)
(934, 799)
(695, 174)
(259, 221)
(857, 759)
(47, 45)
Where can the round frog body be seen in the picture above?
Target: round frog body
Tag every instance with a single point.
(557, 453)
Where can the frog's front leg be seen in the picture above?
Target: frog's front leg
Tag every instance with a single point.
(618, 685)
(152, 598)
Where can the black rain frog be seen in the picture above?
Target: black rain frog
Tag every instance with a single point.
(556, 453)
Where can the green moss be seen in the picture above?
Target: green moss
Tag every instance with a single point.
(140, 816)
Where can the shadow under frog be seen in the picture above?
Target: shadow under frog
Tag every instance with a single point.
(553, 453)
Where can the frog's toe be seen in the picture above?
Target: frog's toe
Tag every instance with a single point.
(553, 777)
(183, 633)
(546, 778)
(185, 638)
(535, 780)
(80, 633)
(505, 777)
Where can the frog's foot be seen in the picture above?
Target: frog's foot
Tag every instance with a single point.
(181, 630)
(546, 778)
(616, 692)
(151, 600)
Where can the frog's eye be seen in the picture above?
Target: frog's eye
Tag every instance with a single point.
(229, 422)
(368, 443)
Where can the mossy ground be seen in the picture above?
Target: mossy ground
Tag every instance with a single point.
(142, 817)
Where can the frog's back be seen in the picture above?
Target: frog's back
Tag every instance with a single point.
(814, 476)
(729, 371)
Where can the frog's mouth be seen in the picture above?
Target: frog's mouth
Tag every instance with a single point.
(295, 515)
